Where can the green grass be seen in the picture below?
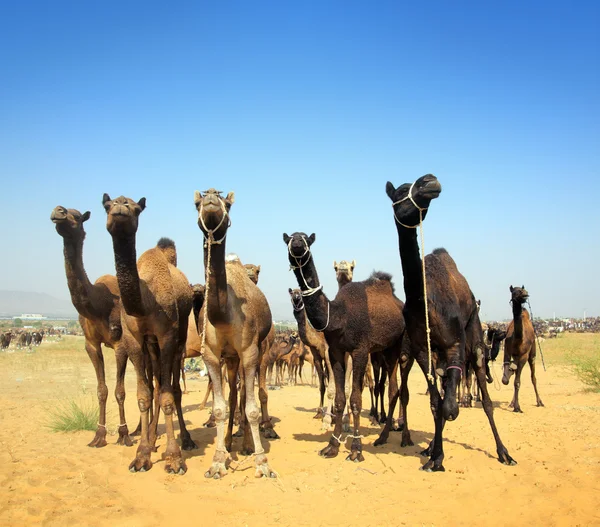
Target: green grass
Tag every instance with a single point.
(587, 370)
(73, 417)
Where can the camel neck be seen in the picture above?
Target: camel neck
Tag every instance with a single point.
(412, 269)
(342, 281)
(517, 309)
(127, 275)
(216, 298)
(300, 317)
(80, 287)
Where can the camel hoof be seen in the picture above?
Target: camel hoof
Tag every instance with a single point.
(140, 465)
(239, 433)
(269, 433)
(329, 452)
(355, 456)
(381, 440)
(97, 443)
(407, 442)
(373, 420)
(176, 466)
(216, 471)
(518, 410)
(263, 471)
(125, 440)
(188, 444)
(432, 467)
(540, 403)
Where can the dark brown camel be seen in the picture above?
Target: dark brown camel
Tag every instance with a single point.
(156, 299)
(365, 317)
(456, 333)
(519, 347)
(236, 319)
(99, 308)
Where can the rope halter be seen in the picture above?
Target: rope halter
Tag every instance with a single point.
(209, 234)
(420, 209)
(299, 265)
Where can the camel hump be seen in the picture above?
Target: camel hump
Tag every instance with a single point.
(377, 276)
(439, 250)
(167, 246)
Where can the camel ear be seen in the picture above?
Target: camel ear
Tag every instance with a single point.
(106, 201)
(290, 291)
(286, 239)
(390, 190)
(86, 216)
(257, 269)
(511, 288)
(522, 287)
(230, 198)
(335, 265)
(311, 239)
(142, 203)
(197, 197)
(353, 264)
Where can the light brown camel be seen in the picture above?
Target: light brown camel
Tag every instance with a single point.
(156, 299)
(365, 317)
(236, 320)
(519, 347)
(99, 309)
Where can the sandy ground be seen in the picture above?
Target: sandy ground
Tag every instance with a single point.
(55, 479)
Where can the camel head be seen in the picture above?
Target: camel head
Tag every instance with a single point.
(253, 272)
(69, 222)
(519, 294)
(297, 300)
(495, 336)
(213, 212)
(298, 247)
(198, 293)
(122, 214)
(408, 199)
(344, 270)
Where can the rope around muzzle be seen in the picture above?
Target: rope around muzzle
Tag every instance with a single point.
(429, 375)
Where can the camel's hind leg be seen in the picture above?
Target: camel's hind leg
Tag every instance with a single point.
(330, 393)
(266, 425)
(218, 467)
(232, 364)
(121, 359)
(250, 358)
(348, 389)
(359, 364)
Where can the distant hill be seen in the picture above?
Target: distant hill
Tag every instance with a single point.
(14, 303)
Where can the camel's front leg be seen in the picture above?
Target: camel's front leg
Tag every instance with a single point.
(339, 374)
(218, 468)
(330, 393)
(121, 359)
(250, 358)
(94, 351)
(359, 364)
(266, 425)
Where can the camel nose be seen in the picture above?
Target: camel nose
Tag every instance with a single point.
(504, 379)
(450, 408)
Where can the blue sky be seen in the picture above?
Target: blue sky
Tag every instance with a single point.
(305, 110)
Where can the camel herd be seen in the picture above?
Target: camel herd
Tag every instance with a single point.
(152, 317)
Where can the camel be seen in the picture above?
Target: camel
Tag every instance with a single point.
(364, 318)
(253, 272)
(344, 272)
(193, 341)
(99, 308)
(450, 308)
(519, 346)
(283, 345)
(156, 300)
(236, 319)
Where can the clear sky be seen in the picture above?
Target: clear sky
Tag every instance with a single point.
(305, 110)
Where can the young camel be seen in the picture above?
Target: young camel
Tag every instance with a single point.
(99, 308)
(236, 320)
(456, 333)
(519, 346)
(156, 302)
(365, 317)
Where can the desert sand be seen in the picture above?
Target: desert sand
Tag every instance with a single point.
(51, 478)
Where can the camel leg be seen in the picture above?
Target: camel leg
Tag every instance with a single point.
(206, 395)
(382, 379)
(406, 363)
(300, 366)
(266, 425)
(330, 393)
(94, 351)
(531, 360)
(348, 388)
(232, 364)
(186, 439)
(390, 359)
(182, 368)
(338, 365)
(488, 408)
(121, 359)
(371, 384)
(249, 362)
(321, 377)
(142, 461)
(153, 350)
(515, 403)
(218, 467)
(247, 442)
(359, 364)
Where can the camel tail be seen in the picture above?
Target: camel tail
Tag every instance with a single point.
(167, 246)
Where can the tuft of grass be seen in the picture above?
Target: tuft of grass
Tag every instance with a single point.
(73, 417)
(587, 370)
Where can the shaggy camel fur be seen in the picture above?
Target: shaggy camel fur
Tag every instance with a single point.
(456, 333)
(236, 320)
(156, 302)
(519, 347)
(99, 308)
(365, 317)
